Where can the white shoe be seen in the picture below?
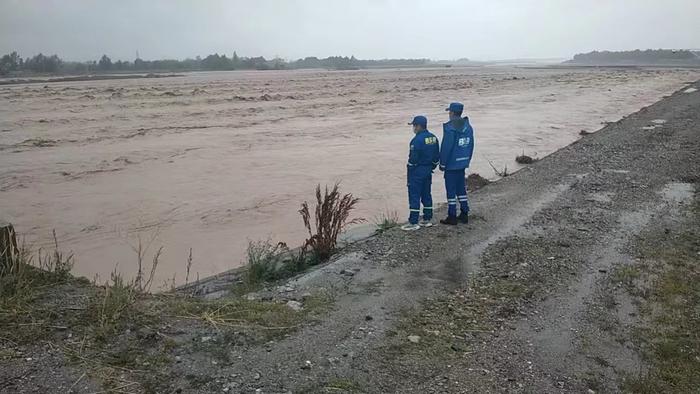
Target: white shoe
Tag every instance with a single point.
(410, 227)
(425, 223)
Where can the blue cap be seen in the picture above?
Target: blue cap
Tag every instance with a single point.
(420, 120)
(455, 107)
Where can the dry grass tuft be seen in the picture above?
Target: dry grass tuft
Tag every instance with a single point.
(264, 261)
(331, 217)
(386, 220)
(525, 159)
(502, 173)
(142, 283)
(110, 308)
(56, 262)
(20, 279)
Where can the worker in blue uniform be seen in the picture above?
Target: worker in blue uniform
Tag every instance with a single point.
(455, 155)
(423, 158)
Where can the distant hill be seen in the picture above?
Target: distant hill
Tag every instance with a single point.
(638, 58)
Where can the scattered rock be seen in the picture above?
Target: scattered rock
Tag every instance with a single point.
(216, 295)
(295, 305)
(414, 338)
(307, 365)
(524, 159)
(347, 272)
(206, 339)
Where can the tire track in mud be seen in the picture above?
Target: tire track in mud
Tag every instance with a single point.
(562, 337)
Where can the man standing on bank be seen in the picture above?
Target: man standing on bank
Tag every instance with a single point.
(455, 155)
(423, 157)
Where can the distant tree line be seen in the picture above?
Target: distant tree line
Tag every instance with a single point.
(12, 63)
(350, 63)
(638, 57)
(40, 63)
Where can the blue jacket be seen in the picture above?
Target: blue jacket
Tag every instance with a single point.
(457, 144)
(424, 152)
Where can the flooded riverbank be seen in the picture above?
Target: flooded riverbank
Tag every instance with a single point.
(209, 161)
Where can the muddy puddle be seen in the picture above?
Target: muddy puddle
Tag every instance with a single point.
(210, 161)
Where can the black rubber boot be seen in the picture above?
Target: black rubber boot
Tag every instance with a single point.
(463, 217)
(450, 220)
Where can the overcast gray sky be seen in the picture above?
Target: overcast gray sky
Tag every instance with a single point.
(437, 29)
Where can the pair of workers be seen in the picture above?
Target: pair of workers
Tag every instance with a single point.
(452, 157)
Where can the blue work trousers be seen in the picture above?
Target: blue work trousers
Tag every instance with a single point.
(456, 189)
(420, 179)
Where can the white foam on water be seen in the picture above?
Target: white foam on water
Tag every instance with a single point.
(648, 127)
(658, 121)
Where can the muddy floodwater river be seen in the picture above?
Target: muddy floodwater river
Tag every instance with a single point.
(209, 161)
